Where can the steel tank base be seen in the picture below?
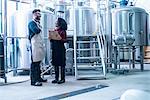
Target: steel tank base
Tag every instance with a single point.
(132, 49)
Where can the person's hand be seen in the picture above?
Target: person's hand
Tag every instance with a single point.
(50, 34)
(50, 31)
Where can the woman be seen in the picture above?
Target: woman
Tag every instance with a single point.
(58, 38)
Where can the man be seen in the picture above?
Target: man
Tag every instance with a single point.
(37, 48)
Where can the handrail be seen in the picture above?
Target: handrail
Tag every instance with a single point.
(101, 40)
(101, 47)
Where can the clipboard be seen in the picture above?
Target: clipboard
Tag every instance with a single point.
(54, 35)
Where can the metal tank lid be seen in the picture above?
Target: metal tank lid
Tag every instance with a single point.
(128, 8)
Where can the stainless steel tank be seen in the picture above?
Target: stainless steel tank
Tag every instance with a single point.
(129, 27)
(18, 54)
(130, 22)
(85, 20)
(19, 28)
(48, 23)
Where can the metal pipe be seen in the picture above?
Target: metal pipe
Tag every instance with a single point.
(133, 57)
(75, 38)
(34, 3)
(142, 57)
(5, 32)
(108, 32)
(115, 57)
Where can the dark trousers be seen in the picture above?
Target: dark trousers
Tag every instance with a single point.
(62, 70)
(35, 72)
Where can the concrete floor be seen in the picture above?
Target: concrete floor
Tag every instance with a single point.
(117, 85)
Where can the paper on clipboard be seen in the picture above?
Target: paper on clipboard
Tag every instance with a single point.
(54, 35)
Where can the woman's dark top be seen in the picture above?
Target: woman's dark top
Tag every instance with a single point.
(58, 49)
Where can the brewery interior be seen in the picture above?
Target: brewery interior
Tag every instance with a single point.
(107, 50)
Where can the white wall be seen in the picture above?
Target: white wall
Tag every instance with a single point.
(145, 4)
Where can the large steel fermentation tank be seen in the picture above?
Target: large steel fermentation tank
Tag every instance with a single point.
(19, 28)
(84, 20)
(130, 20)
(18, 48)
(85, 27)
(130, 23)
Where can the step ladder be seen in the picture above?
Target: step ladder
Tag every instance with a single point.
(89, 57)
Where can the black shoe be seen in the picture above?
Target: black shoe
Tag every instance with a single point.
(61, 81)
(55, 81)
(43, 80)
(36, 84)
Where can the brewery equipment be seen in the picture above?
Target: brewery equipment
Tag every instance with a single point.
(129, 29)
(85, 20)
(128, 25)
